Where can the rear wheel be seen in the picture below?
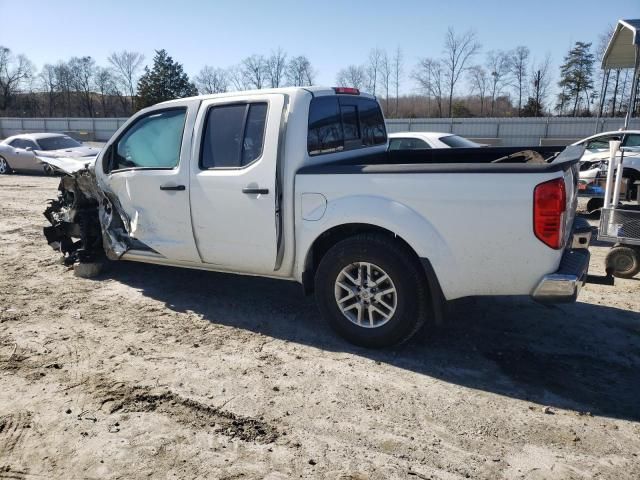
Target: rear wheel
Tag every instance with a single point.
(4, 166)
(372, 291)
(623, 262)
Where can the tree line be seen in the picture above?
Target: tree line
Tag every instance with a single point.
(461, 82)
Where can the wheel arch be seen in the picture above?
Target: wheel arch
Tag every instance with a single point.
(330, 237)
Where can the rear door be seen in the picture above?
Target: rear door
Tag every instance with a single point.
(147, 168)
(233, 184)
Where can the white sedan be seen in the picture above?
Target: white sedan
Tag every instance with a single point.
(426, 140)
(32, 152)
(594, 164)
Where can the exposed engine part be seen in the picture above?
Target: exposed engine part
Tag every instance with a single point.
(84, 226)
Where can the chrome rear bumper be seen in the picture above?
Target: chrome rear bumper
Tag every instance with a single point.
(564, 285)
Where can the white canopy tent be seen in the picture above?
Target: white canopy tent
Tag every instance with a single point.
(623, 51)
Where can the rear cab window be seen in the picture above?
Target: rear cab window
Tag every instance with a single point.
(344, 122)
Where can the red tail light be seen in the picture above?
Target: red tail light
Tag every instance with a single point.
(549, 207)
(347, 90)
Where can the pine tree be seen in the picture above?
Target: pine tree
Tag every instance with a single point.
(576, 76)
(165, 81)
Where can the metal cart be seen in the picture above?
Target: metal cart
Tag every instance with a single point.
(619, 223)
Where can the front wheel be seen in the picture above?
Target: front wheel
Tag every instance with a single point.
(372, 291)
(4, 166)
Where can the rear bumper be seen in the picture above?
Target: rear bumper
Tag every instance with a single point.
(564, 285)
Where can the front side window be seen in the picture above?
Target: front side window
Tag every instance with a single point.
(153, 141)
(341, 122)
(19, 143)
(233, 135)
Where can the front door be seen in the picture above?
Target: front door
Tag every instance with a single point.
(23, 159)
(233, 185)
(147, 168)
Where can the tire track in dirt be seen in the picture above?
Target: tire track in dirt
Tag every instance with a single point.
(122, 398)
(13, 428)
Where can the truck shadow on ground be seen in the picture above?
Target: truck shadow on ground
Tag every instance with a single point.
(579, 356)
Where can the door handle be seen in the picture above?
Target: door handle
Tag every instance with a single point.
(255, 191)
(173, 187)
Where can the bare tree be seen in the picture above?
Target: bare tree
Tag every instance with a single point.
(127, 66)
(353, 76)
(49, 86)
(373, 69)
(14, 72)
(398, 67)
(211, 80)
(276, 65)
(458, 50)
(519, 69)
(105, 83)
(255, 71)
(498, 64)
(385, 78)
(82, 70)
(479, 81)
(236, 79)
(430, 77)
(299, 72)
(539, 83)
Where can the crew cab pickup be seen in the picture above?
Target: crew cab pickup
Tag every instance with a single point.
(297, 184)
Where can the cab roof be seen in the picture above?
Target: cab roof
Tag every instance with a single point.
(316, 91)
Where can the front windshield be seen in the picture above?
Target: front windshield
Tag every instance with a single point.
(57, 143)
(454, 141)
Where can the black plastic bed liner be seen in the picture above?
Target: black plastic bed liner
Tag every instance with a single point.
(453, 160)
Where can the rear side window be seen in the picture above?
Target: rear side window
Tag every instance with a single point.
(233, 135)
(632, 140)
(408, 144)
(338, 123)
(454, 141)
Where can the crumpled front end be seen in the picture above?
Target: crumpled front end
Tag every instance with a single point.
(85, 226)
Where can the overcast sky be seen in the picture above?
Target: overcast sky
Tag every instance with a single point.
(331, 33)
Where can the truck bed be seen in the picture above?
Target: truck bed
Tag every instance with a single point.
(454, 160)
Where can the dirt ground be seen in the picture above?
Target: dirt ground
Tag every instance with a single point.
(155, 372)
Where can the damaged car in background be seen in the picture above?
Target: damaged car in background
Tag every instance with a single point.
(298, 184)
(47, 153)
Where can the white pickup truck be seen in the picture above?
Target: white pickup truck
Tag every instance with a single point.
(297, 184)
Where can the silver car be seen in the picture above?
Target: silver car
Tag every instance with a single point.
(23, 152)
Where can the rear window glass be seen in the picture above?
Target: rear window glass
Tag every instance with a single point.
(454, 141)
(57, 143)
(339, 123)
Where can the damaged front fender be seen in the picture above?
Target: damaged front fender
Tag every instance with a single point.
(86, 223)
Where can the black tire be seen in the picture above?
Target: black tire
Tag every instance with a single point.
(623, 262)
(5, 168)
(90, 269)
(404, 270)
(594, 204)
